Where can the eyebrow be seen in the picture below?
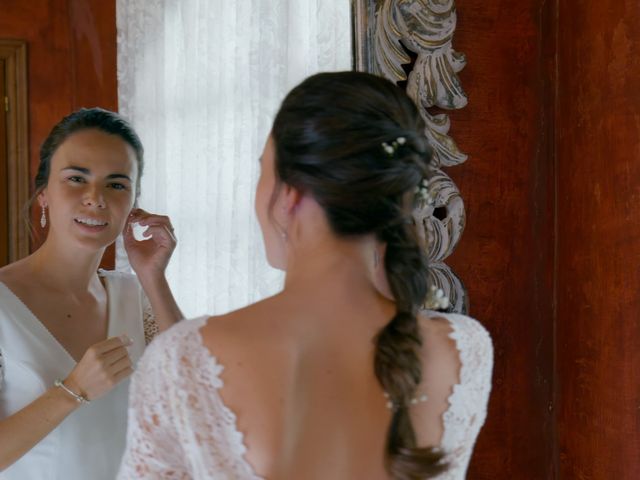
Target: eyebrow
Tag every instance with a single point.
(86, 171)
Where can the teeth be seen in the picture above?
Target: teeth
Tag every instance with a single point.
(91, 222)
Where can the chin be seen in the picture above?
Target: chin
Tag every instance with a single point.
(95, 243)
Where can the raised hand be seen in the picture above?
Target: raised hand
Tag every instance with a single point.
(149, 258)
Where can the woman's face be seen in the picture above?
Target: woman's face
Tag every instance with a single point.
(91, 188)
(273, 230)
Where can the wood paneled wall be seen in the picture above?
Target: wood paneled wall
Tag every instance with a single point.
(71, 62)
(551, 254)
(506, 253)
(598, 320)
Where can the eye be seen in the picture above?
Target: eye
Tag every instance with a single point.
(118, 186)
(76, 179)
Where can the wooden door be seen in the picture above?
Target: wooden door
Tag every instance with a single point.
(4, 177)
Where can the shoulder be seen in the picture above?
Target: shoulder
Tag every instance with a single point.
(473, 344)
(164, 358)
(174, 340)
(246, 327)
(258, 343)
(471, 337)
(16, 275)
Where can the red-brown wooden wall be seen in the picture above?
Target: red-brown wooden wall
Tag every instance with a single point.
(598, 310)
(551, 255)
(506, 253)
(552, 189)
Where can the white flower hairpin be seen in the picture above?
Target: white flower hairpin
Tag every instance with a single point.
(422, 192)
(436, 299)
(391, 148)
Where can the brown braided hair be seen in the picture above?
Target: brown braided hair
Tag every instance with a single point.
(329, 135)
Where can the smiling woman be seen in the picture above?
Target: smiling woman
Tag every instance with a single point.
(69, 333)
(77, 179)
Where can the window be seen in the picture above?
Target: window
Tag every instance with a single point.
(201, 81)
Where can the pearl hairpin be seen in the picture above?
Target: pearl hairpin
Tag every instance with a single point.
(413, 401)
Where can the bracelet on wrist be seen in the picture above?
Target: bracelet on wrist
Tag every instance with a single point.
(79, 398)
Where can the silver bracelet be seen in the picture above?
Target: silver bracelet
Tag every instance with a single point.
(79, 398)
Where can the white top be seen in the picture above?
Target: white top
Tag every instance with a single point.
(89, 443)
(197, 435)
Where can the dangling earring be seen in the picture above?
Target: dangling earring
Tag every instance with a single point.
(43, 217)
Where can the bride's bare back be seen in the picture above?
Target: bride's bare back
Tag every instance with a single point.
(302, 393)
(300, 379)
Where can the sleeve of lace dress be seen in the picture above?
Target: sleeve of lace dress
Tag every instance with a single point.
(468, 404)
(153, 448)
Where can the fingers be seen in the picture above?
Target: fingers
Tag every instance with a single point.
(121, 375)
(160, 232)
(145, 218)
(111, 344)
(114, 356)
(122, 364)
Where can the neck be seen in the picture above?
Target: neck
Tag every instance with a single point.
(66, 268)
(337, 280)
(332, 266)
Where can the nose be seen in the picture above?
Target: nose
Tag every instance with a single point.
(93, 198)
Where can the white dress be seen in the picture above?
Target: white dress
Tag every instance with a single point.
(178, 382)
(89, 443)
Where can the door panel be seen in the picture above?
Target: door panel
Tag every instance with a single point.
(4, 177)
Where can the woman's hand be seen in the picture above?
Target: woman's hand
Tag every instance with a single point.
(101, 368)
(149, 258)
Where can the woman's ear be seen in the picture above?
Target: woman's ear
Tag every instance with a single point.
(42, 199)
(291, 198)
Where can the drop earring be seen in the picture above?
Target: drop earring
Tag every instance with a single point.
(43, 217)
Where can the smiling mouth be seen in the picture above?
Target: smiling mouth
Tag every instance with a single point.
(91, 222)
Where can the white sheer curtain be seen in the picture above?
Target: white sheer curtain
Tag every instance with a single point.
(201, 81)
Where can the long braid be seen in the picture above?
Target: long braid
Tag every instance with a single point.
(397, 358)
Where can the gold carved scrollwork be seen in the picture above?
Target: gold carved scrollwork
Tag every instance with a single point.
(386, 33)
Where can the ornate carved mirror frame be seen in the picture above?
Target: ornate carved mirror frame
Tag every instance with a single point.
(410, 41)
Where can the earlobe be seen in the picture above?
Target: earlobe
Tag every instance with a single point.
(42, 200)
(292, 199)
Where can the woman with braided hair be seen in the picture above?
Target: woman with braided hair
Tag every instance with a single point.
(341, 375)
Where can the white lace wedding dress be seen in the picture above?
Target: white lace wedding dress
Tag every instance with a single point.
(179, 427)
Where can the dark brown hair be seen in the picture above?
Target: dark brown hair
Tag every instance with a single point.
(329, 135)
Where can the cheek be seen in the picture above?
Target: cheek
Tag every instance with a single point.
(120, 205)
(61, 197)
(262, 201)
(270, 234)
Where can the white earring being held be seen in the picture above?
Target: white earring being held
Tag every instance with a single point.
(43, 217)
